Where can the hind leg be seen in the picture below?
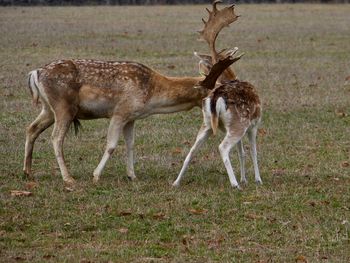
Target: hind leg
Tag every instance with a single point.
(252, 139)
(203, 134)
(62, 124)
(241, 155)
(235, 132)
(41, 123)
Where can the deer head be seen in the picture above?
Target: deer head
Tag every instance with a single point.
(217, 69)
(218, 19)
(205, 64)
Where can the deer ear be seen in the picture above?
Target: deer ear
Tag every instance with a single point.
(204, 67)
(202, 56)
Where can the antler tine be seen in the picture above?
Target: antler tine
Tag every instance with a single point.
(215, 3)
(218, 19)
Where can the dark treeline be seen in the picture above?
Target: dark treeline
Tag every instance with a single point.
(150, 2)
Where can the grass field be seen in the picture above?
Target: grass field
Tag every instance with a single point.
(298, 56)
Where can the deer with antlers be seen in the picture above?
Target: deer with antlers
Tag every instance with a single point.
(73, 90)
(233, 105)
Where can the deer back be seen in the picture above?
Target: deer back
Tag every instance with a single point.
(240, 97)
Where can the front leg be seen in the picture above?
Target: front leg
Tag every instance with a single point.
(128, 132)
(115, 127)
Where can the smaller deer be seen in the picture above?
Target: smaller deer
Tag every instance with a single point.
(235, 108)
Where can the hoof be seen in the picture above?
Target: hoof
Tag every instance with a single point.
(244, 181)
(132, 178)
(95, 179)
(258, 182)
(237, 187)
(69, 182)
(28, 175)
(175, 184)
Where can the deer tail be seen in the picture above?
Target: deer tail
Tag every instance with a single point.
(217, 106)
(33, 83)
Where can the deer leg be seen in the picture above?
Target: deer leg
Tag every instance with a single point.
(225, 148)
(241, 155)
(41, 123)
(128, 132)
(202, 136)
(62, 123)
(252, 139)
(114, 130)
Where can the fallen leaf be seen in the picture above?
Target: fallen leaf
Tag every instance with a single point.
(31, 185)
(262, 132)
(215, 243)
(19, 258)
(312, 203)
(253, 216)
(20, 193)
(177, 150)
(48, 256)
(160, 216)
(186, 240)
(123, 230)
(345, 164)
(340, 113)
(300, 259)
(69, 189)
(171, 66)
(197, 211)
(188, 143)
(278, 172)
(347, 78)
(313, 85)
(125, 213)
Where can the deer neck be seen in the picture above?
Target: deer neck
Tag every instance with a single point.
(172, 94)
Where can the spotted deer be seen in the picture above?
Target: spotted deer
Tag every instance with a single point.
(233, 106)
(78, 89)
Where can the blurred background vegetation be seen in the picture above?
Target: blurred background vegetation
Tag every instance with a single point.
(151, 2)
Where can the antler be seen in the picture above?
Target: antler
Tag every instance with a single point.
(218, 68)
(218, 19)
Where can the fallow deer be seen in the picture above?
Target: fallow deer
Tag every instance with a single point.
(70, 90)
(73, 90)
(235, 103)
(235, 107)
(79, 89)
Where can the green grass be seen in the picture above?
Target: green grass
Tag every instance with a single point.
(298, 58)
